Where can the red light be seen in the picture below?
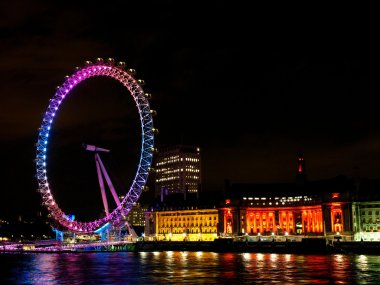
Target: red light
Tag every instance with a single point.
(228, 201)
(299, 168)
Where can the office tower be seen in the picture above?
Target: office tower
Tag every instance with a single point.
(178, 170)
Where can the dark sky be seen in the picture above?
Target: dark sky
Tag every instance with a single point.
(249, 92)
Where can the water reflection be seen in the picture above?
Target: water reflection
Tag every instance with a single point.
(174, 267)
(367, 268)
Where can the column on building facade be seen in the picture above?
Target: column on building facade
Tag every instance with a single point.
(315, 221)
(304, 222)
(243, 220)
(321, 223)
(293, 219)
(318, 229)
(256, 218)
(312, 220)
(274, 228)
(254, 221)
(250, 222)
(292, 226)
(281, 220)
(287, 221)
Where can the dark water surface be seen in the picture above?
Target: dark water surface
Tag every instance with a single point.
(187, 268)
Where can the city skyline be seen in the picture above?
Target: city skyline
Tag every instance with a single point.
(250, 107)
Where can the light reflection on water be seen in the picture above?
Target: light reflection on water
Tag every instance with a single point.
(176, 267)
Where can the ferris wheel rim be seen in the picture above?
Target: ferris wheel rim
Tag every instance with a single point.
(134, 86)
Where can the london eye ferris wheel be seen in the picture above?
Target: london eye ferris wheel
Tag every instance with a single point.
(125, 76)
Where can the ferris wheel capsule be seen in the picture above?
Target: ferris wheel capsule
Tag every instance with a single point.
(132, 71)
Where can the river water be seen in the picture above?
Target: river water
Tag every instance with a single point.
(176, 267)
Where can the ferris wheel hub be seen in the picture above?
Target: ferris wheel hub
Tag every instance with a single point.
(94, 148)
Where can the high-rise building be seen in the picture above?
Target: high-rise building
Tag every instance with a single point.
(178, 170)
(136, 216)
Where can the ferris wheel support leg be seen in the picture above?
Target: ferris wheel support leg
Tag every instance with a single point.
(101, 184)
(131, 230)
(104, 235)
(109, 182)
(58, 234)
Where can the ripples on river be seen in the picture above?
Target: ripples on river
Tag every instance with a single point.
(174, 267)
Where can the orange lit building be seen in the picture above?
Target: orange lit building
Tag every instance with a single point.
(272, 215)
(300, 208)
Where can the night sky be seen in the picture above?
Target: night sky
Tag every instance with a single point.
(249, 95)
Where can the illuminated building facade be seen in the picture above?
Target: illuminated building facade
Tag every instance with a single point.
(272, 215)
(195, 218)
(182, 224)
(136, 216)
(366, 220)
(302, 208)
(178, 170)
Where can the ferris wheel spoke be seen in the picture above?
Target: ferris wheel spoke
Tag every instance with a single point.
(101, 184)
(109, 182)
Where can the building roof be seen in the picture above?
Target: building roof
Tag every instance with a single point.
(353, 189)
(180, 148)
(205, 200)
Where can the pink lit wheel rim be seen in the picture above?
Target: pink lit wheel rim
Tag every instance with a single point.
(125, 77)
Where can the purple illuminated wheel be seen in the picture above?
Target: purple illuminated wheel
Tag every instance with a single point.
(125, 77)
